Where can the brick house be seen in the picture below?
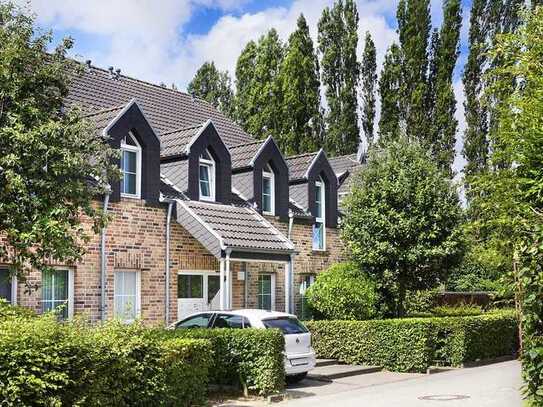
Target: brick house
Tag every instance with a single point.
(205, 217)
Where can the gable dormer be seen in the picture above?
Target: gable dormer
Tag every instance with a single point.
(127, 129)
(260, 173)
(209, 166)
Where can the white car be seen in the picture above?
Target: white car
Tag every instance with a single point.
(299, 355)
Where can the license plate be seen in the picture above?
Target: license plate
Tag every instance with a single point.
(298, 362)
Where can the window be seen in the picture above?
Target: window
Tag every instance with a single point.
(127, 295)
(231, 321)
(57, 292)
(206, 176)
(196, 321)
(190, 286)
(268, 191)
(130, 167)
(6, 286)
(287, 325)
(319, 228)
(266, 292)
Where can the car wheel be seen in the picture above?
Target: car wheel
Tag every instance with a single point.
(296, 378)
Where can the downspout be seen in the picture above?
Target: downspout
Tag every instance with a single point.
(167, 282)
(290, 223)
(103, 263)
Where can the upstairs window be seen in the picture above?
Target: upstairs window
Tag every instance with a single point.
(206, 178)
(319, 228)
(130, 167)
(268, 191)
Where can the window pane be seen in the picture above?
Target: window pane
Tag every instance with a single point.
(5, 285)
(287, 325)
(126, 295)
(228, 321)
(318, 203)
(129, 161)
(266, 194)
(197, 321)
(190, 286)
(318, 236)
(55, 291)
(129, 184)
(213, 287)
(265, 292)
(205, 189)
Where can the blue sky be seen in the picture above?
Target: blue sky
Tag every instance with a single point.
(167, 40)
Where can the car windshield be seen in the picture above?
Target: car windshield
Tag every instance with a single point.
(288, 325)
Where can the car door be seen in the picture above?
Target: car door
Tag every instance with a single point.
(231, 321)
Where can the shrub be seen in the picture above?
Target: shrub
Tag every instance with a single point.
(10, 311)
(343, 292)
(47, 363)
(252, 358)
(414, 344)
(457, 311)
(420, 301)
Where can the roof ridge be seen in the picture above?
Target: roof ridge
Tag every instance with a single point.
(301, 155)
(182, 128)
(246, 144)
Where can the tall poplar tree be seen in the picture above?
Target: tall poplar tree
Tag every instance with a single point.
(389, 92)
(368, 70)
(245, 69)
(213, 86)
(414, 24)
(338, 39)
(301, 117)
(444, 123)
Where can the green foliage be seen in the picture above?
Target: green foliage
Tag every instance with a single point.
(51, 364)
(389, 92)
(252, 358)
(343, 292)
(402, 221)
(412, 345)
(214, 87)
(302, 122)
(244, 80)
(464, 310)
(418, 302)
(338, 39)
(47, 155)
(368, 73)
(9, 311)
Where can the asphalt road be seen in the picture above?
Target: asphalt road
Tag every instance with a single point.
(494, 385)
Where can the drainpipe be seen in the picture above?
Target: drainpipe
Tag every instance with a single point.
(167, 282)
(103, 263)
(290, 223)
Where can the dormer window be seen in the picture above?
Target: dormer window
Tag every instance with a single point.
(319, 228)
(130, 167)
(268, 191)
(207, 177)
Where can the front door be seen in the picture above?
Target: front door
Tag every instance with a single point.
(197, 292)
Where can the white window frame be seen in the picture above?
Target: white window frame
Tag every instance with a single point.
(70, 290)
(210, 164)
(271, 177)
(321, 219)
(272, 283)
(135, 149)
(13, 285)
(138, 295)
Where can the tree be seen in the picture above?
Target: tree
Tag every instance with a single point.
(368, 72)
(338, 39)
(414, 25)
(301, 116)
(402, 221)
(52, 164)
(389, 91)
(510, 197)
(444, 124)
(265, 93)
(245, 70)
(214, 87)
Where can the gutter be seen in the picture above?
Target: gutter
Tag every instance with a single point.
(103, 262)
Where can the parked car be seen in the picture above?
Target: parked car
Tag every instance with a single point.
(299, 355)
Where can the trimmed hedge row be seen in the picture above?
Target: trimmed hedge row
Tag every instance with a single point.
(250, 358)
(412, 345)
(51, 364)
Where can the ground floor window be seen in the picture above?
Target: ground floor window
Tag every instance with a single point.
(127, 295)
(5, 285)
(57, 292)
(266, 291)
(303, 310)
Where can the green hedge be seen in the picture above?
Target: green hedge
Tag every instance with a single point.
(251, 358)
(414, 344)
(47, 363)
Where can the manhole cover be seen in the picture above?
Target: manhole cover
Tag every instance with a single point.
(444, 397)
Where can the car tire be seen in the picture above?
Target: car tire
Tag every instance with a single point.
(296, 378)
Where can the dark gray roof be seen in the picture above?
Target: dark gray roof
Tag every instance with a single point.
(298, 211)
(299, 164)
(298, 194)
(177, 173)
(101, 118)
(230, 226)
(345, 167)
(243, 183)
(173, 143)
(166, 109)
(242, 154)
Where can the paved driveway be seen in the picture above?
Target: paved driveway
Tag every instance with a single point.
(494, 385)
